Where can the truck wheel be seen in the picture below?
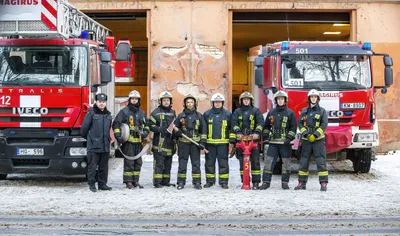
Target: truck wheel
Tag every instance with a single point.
(3, 177)
(362, 162)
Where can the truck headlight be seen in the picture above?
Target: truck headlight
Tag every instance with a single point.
(77, 151)
(365, 137)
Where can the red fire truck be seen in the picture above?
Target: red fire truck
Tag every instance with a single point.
(342, 72)
(53, 60)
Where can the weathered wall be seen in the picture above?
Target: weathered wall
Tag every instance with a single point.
(178, 27)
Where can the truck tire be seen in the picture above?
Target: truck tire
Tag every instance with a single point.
(362, 162)
(3, 177)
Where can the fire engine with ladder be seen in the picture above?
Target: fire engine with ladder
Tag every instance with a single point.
(343, 74)
(53, 60)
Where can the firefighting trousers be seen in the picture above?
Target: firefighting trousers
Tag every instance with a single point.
(184, 151)
(254, 162)
(132, 168)
(220, 153)
(273, 152)
(319, 151)
(98, 168)
(162, 168)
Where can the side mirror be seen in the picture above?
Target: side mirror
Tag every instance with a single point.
(259, 72)
(105, 73)
(388, 76)
(259, 77)
(387, 61)
(105, 57)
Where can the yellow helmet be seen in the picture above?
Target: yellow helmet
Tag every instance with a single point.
(164, 94)
(246, 95)
(281, 93)
(189, 96)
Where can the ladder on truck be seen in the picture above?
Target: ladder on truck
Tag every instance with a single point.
(51, 18)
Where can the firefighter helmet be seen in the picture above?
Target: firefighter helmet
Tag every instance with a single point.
(281, 93)
(164, 94)
(217, 98)
(189, 96)
(134, 94)
(246, 95)
(313, 92)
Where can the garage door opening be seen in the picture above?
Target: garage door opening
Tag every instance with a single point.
(251, 29)
(130, 26)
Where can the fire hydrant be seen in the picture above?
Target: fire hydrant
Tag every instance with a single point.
(246, 145)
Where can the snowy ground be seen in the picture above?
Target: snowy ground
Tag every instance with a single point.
(376, 194)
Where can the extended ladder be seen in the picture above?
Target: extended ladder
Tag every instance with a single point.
(49, 18)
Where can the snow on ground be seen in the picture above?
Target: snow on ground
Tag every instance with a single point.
(363, 195)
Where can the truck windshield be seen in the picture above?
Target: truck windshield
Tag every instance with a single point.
(326, 72)
(38, 65)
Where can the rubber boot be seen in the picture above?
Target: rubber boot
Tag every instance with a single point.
(324, 186)
(197, 186)
(265, 185)
(92, 188)
(285, 185)
(256, 186)
(224, 186)
(136, 184)
(105, 187)
(301, 186)
(158, 186)
(129, 185)
(180, 186)
(208, 185)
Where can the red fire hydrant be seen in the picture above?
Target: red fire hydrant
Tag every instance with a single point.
(246, 145)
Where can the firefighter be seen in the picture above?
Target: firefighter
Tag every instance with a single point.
(96, 130)
(312, 124)
(164, 145)
(135, 118)
(279, 127)
(248, 120)
(218, 122)
(191, 123)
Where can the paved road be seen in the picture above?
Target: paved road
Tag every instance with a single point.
(94, 226)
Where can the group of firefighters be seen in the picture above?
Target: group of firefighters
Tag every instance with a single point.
(216, 132)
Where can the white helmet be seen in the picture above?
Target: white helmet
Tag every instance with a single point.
(313, 92)
(217, 98)
(134, 94)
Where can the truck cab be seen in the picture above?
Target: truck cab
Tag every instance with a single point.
(342, 73)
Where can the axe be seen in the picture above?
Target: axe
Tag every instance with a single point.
(172, 127)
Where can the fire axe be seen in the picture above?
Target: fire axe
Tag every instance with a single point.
(172, 127)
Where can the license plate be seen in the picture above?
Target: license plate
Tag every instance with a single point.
(30, 151)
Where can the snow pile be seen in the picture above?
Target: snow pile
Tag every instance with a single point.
(373, 194)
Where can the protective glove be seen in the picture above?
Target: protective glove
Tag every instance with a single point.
(316, 134)
(178, 133)
(305, 134)
(286, 142)
(201, 147)
(119, 139)
(163, 131)
(311, 138)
